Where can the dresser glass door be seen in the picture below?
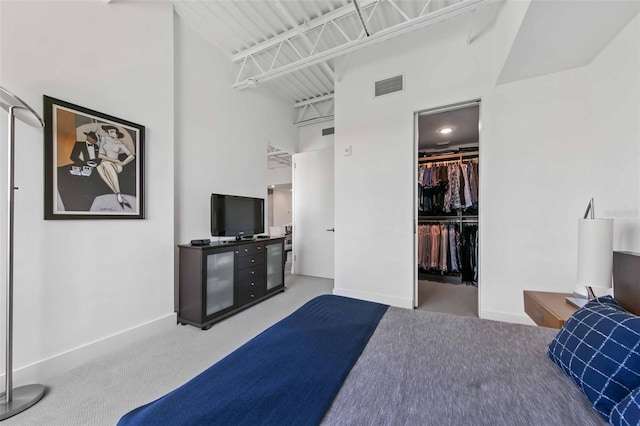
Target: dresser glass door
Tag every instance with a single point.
(275, 265)
(219, 289)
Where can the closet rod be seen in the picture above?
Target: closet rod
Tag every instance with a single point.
(466, 216)
(439, 217)
(447, 220)
(448, 157)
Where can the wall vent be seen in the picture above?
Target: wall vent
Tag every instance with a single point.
(389, 85)
(328, 131)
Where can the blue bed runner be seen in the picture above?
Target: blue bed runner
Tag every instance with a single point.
(287, 375)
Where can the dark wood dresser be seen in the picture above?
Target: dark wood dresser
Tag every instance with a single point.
(221, 279)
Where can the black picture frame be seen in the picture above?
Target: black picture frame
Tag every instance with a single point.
(94, 164)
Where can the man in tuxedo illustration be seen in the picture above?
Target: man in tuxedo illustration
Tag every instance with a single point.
(85, 151)
(77, 182)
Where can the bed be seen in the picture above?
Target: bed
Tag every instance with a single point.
(341, 361)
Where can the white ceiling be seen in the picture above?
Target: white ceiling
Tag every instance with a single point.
(463, 121)
(559, 35)
(290, 45)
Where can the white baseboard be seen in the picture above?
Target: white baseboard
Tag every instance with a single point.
(41, 371)
(374, 297)
(505, 317)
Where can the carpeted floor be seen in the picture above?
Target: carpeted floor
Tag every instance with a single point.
(448, 298)
(100, 392)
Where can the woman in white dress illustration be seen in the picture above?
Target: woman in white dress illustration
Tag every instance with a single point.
(113, 141)
(111, 146)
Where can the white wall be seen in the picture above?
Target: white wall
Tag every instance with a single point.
(221, 133)
(279, 176)
(310, 137)
(79, 282)
(282, 206)
(542, 145)
(614, 114)
(574, 135)
(375, 185)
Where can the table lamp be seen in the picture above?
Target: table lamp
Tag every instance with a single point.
(595, 257)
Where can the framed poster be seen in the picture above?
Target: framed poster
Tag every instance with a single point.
(94, 164)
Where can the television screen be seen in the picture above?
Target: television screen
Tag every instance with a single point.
(233, 216)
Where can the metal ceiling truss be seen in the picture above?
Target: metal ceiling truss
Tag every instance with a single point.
(277, 157)
(315, 109)
(353, 26)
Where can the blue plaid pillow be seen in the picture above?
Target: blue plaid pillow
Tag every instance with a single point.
(599, 348)
(627, 411)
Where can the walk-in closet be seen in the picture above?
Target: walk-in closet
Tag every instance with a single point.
(447, 208)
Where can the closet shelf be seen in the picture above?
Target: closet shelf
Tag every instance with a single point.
(458, 156)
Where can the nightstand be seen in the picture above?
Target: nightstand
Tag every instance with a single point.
(548, 309)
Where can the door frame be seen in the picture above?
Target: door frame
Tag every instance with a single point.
(416, 116)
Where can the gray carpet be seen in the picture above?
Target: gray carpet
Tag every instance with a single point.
(100, 392)
(448, 298)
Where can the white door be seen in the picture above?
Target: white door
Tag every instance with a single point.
(313, 214)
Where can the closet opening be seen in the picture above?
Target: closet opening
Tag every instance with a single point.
(447, 208)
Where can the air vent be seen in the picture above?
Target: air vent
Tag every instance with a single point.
(389, 85)
(328, 131)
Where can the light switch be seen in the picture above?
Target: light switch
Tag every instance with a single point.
(347, 150)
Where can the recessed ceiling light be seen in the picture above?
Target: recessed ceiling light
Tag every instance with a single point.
(273, 186)
(445, 130)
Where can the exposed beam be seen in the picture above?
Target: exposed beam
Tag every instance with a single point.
(400, 11)
(330, 105)
(371, 13)
(424, 9)
(362, 22)
(388, 33)
(313, 121)
(315, 108)
(301, 113)
(305, 39)
(314, 23)
(313, 100)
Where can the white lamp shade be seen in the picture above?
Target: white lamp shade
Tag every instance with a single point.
(595, 252)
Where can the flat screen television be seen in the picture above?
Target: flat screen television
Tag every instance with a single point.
(234, 216)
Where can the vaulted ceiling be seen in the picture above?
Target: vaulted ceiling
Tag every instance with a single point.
(291, 44)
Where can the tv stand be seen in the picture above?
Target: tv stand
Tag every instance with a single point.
(221, 279)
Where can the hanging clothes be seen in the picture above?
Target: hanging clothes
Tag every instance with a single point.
(469, 267)
(439, 247)
(448, 189)
(445, 187)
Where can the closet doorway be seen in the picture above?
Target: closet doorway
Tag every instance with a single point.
(447, 208)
